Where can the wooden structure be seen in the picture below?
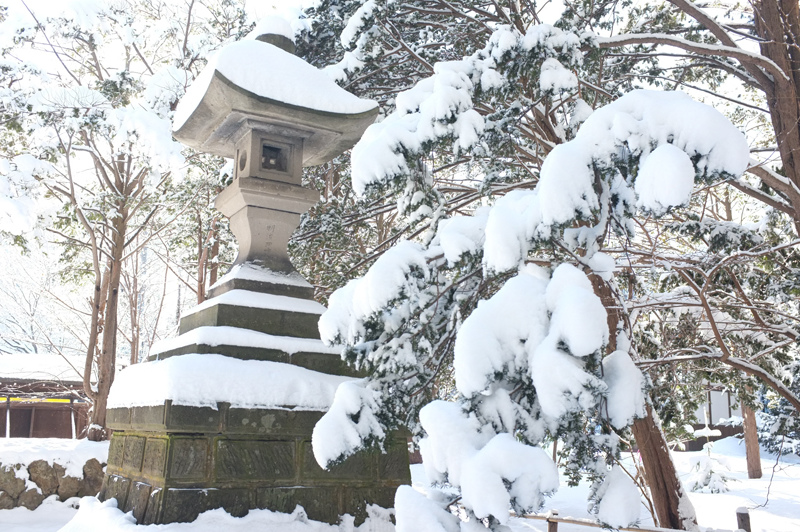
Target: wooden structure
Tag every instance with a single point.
(41, 396)
(552, 519)
(31, 408)
(718, 405)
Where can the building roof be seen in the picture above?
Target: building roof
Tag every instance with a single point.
(28, 367)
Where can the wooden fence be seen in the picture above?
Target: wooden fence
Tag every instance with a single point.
(552, 519)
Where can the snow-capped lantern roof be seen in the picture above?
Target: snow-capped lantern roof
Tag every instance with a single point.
(258, 84)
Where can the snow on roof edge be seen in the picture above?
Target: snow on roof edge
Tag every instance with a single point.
(225, 335)
(248, 298)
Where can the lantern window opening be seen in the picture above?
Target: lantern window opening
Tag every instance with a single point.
(273, 158)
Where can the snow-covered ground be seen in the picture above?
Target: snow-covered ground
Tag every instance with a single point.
(50, 516)
(774, 503)
(781, 513)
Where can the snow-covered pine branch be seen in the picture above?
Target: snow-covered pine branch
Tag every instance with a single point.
(523, 365)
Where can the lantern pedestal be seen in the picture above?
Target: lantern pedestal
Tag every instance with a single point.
(263, 215)
(170, 462)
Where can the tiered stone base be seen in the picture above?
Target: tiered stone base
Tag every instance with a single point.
(173, 462)
(168, 463)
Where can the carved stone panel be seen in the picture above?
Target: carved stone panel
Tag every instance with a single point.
(253, 459)
(134, 451)
(155, 457)
(189, 457)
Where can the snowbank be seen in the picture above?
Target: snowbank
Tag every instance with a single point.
(717, 510)
(48, 517)
(31, 470)
(96, 516)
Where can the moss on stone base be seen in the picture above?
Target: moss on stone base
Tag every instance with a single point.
(164, 476)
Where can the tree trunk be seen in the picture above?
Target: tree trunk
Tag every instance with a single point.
(672, 506)
(750, 432)
(107, 360)
(751, 443)
(133, 297)
(202, 256)
(777, 22)
(106, 363)
(213, 270)
(97, 430)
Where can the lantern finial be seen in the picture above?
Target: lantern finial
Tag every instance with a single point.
(275, 31)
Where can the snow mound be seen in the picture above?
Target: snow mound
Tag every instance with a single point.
(505, 461)
(421, 513)
(347, 424)
(625, 399)
(494, 472)
(665, 179)
(570, 294)
(494, 338)
(96, 516)
(619, 498)
(555, 78)
(204, 380)
(461, 235)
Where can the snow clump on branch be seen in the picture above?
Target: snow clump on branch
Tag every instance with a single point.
(441, 106)
(682, 139)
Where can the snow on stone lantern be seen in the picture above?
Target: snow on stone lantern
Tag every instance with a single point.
(273, 113)
(221, 416)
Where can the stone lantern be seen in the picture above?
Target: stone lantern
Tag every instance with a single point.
(272, 119)
(221, 416)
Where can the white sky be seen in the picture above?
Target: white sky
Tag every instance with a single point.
(284, 8)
